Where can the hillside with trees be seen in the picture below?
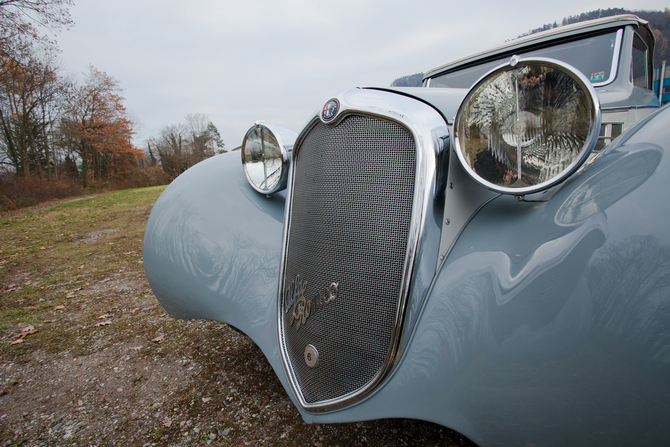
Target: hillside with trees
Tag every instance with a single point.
(409, 81)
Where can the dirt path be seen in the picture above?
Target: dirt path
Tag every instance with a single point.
(100, 364)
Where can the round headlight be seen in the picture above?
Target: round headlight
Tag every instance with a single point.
(265, 156)
(527, 125)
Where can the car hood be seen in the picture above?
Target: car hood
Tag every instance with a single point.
(444, 100)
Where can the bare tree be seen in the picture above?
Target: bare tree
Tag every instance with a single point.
(31, 99)
(20, 19)
(169, 147)
(198, 137)
(30, 88)
(180, 146)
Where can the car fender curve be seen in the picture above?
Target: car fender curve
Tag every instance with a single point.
(536, 314)
(212, 249)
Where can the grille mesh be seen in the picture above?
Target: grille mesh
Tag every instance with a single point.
(350, 217)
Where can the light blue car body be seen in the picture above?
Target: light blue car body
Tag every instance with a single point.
(547, 323)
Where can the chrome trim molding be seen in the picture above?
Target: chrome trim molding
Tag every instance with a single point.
(462, 201)
(615, 60)
(428, 129)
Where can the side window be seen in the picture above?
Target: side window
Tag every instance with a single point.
(639, 69)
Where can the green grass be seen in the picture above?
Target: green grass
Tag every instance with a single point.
(51, 257)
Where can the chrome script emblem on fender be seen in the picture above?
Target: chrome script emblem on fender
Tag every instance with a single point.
(300, 307)
(295, 302)
(326, 296)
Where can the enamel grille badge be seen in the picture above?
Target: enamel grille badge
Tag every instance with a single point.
(330, 110)
(300, 307)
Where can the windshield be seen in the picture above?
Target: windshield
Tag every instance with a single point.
(593, 56)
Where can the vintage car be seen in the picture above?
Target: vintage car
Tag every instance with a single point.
(490, 251)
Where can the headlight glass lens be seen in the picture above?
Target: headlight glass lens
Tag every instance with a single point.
(263, 160)
(523, 128)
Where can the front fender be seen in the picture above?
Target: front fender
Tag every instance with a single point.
(547, 322)
(212, 250)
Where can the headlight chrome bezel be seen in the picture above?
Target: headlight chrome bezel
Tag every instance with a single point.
(515, 63)
(284, 139)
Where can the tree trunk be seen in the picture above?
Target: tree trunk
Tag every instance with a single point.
(11, 149)
(84, 163)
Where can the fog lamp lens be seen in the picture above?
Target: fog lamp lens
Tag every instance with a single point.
(264, 160)
(526, 127)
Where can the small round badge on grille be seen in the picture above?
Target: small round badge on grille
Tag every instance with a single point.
(330, 110)
(311, 356)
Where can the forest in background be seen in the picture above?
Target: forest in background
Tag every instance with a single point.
(658, 20)
(64, 135)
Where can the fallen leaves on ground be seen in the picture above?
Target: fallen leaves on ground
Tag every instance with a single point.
(103, 323)
(158, 339)
(28, 330)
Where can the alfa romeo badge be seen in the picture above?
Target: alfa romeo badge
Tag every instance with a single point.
(330, 110)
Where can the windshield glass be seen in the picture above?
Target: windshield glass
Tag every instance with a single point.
(593, 56)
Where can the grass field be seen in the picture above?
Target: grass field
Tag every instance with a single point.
(61, 257)
(89, 357)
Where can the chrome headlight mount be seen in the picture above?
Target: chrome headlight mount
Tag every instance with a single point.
(527, 125)
(266, 153)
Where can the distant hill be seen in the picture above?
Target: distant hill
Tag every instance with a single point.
(409, 81)
(658, 20)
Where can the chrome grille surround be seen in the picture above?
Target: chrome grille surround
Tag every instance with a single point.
(359, 194)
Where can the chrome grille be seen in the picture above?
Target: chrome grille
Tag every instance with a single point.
(352, 195)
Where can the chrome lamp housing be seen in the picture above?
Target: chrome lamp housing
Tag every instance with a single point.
(527, 125)
(266, 156)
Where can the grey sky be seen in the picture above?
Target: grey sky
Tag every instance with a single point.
(278, 61)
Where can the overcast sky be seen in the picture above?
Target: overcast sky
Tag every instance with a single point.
(280, 60)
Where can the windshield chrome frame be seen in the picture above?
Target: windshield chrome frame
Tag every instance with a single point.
(615, 60)
(616, 54)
